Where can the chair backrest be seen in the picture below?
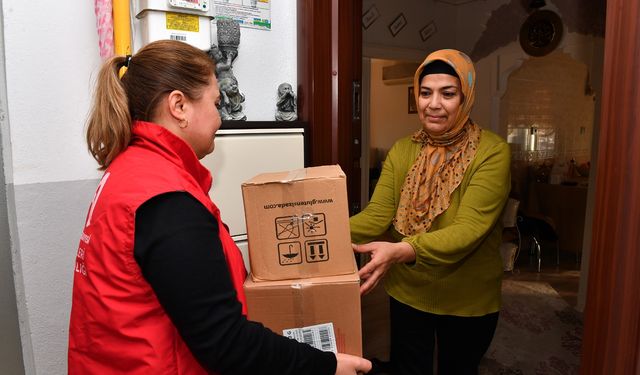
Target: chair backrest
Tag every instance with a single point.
(510, 213)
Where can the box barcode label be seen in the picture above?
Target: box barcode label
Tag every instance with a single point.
(181, 38)
(320, 336)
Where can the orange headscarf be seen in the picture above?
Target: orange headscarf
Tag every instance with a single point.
(439, 168)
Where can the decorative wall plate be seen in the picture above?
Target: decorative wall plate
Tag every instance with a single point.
(541, 33)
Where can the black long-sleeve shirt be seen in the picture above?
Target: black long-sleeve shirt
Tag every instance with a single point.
(181, 256)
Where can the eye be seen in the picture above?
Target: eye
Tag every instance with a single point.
(425, 93)
(449, 94)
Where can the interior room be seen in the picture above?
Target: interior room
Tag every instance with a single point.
(546, 106)
(329, 83)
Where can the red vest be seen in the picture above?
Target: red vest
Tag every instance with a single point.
(117, 324)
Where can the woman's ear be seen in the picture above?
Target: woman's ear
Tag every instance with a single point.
(177, 102)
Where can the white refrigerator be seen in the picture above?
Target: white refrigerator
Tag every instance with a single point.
(239, 155)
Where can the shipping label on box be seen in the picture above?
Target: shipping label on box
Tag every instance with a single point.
(298, 224)
(304, 309)
(320, 336)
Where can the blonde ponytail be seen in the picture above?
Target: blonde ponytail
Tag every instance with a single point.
(109, 123)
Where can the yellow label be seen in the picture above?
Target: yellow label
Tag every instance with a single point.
(183, 22)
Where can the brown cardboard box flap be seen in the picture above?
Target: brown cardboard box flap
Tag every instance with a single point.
(302, 283)
(325, 171)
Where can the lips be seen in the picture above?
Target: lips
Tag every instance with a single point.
(433, 118)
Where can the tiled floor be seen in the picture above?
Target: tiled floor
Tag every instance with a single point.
(564, 279)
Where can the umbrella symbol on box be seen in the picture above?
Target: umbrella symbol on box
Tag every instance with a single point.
(317, 251)
(287, 227)
(289, 253)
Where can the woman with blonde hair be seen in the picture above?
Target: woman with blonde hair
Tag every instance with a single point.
(441, 193)
(158, 281)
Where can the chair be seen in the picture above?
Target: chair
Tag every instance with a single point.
(508, 249)
(540, 229)
(545, 230)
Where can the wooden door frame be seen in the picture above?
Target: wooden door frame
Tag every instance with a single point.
(329, 63)
(611, 342)
(612, 312)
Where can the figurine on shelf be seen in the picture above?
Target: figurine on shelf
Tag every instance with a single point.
(224, 54)
(223, 64)
(286, 105)
(231, 100)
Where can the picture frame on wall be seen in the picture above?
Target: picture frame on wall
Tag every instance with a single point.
(370, 16)
(428, 31)
(397, 24)
(412, 107)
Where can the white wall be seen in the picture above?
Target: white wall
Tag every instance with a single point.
(389, 117)
(407, 44)
(51, 60)
(51, 51)
(10, 346)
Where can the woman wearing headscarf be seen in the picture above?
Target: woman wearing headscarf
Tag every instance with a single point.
(441, 193)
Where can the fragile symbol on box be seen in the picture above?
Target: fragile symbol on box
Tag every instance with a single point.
(289, 253)
(287, 227)
(317, 250)
(314, 225)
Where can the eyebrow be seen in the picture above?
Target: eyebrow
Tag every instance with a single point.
(441, 88)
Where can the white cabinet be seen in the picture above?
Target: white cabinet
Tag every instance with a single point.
(240, 154)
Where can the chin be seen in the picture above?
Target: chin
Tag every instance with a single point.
(432, 130)
(206, 152)
(436, 129)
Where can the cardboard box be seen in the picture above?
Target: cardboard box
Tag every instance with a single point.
(286, 304)
(298, 224)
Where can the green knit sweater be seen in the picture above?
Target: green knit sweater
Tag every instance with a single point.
(458, 268)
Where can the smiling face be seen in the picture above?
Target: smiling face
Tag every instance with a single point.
(439, 101)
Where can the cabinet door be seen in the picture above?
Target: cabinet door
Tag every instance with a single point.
(243, 245)
(239, 157)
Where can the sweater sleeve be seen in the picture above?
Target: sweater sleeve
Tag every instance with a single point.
(181, 256)
(376, 218)
(479, 209)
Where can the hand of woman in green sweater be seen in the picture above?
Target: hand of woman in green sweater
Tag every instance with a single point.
(383, 256)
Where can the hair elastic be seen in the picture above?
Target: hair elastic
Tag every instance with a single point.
(127, 61)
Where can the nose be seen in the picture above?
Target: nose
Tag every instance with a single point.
(435, 101)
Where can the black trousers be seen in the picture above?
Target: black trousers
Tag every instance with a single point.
(460, 342)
